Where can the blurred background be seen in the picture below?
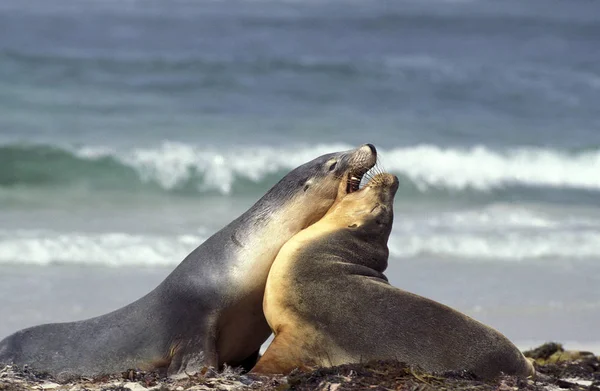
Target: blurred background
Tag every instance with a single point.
(130, 131)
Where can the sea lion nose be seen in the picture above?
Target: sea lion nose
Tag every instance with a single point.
(395, 183)
(371, 148)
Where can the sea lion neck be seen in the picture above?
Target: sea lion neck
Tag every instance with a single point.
(352, 245)
(320, 246)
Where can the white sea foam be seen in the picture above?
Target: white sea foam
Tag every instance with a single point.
(173, 163)
(509, 246)
(497, 233)
(428, 166)
(103, 249)
(121, 249)
(496, 217)
(483, 169)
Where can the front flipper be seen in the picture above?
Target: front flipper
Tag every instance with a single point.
(191, 356)
(282, 357)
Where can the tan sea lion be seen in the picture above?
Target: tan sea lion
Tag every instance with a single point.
(329, 303)
(208, 311)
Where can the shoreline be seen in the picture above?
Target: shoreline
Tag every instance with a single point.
(557, 369)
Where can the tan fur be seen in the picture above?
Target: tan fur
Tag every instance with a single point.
(285, 352)
(290, 218)
(260, 253)
(355, 207)
(328, 302)
(293, 218)
(347, 210)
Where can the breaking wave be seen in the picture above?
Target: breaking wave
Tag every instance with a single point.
(494, 233)
(115, 249)
(173, 166)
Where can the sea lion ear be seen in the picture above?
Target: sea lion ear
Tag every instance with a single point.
(308, 184)
(354, 225)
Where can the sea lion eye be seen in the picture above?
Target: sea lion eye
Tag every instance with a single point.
(332, 167)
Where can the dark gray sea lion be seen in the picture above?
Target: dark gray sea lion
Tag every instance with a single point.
(329, 303)
(208, 311)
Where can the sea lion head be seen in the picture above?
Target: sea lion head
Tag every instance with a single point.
(367, 211)
(308, 191)
(356, 228)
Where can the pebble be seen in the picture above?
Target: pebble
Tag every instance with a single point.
(135, 386)
(581, 382)
(49, 386)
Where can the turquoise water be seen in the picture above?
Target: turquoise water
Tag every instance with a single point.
(130, 131)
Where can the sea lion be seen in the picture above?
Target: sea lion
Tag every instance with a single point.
(208, 311)
(329, 303)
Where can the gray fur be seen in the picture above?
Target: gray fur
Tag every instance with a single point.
(189, 313)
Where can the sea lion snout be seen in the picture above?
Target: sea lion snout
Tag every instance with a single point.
(383, 189)
(368, 208)
(368, 149)
(354, 165)
(389, 188)
(386, 181)
(361, 159)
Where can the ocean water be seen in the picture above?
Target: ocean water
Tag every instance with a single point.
(130, 131)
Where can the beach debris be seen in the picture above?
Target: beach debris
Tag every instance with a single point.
(560, 370)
